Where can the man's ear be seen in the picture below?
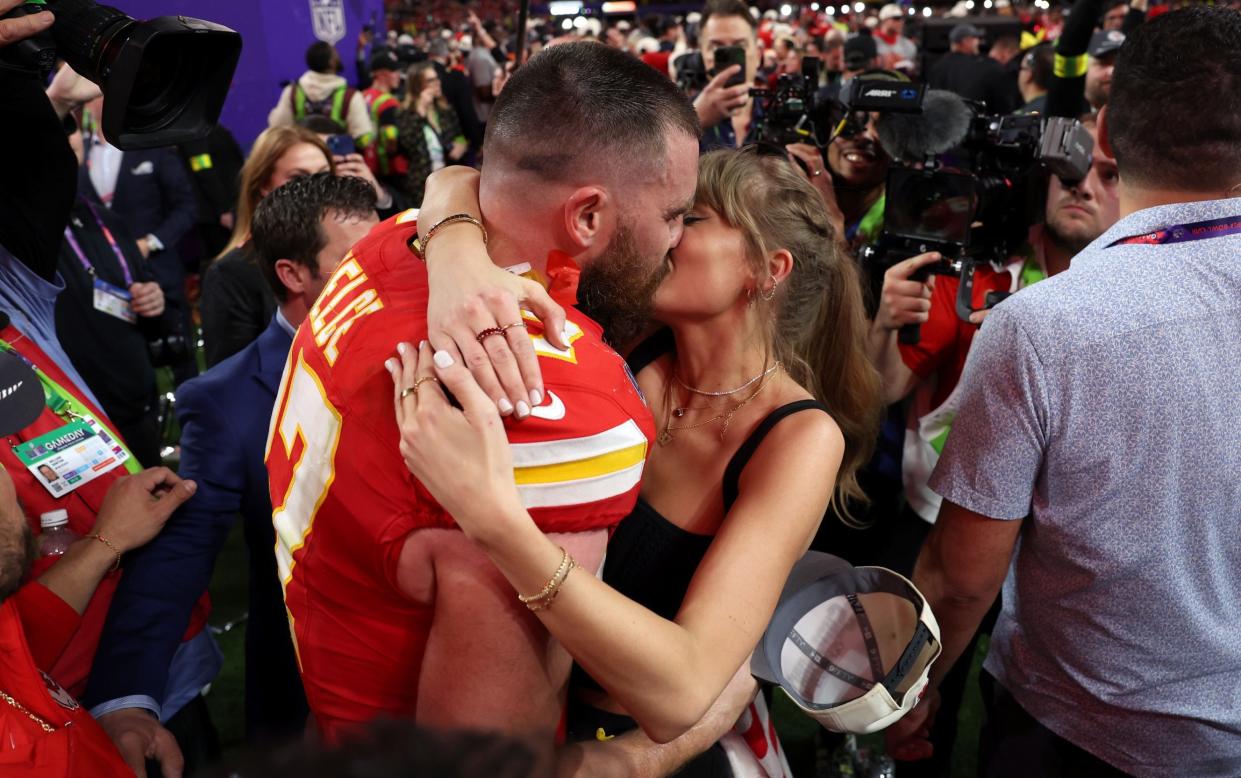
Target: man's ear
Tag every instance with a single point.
(587, 212)
(1102, 135)
(292, 275)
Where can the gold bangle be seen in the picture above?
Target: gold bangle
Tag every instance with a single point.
(420, 245)
(564, 561)
(545, 598)
(115, 565)
(546, 602)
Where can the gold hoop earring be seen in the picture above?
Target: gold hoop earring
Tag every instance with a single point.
(768, 295)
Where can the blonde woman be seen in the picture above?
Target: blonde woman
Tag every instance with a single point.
(237, 304)
(765, 406)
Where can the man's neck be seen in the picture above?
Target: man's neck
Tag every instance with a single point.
(1055, 255)
(294, 310)
(855, 203)
(1134, 199)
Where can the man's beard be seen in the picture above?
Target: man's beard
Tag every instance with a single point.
(1071, 242)
(617, 289)
(17, 552)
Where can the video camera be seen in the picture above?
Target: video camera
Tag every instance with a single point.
(963, 183)
(164, 80)
(788, 111)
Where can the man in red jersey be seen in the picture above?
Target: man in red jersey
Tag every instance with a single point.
(591, 163)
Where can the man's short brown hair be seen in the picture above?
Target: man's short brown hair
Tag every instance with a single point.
(1174, 114)
(583, 103)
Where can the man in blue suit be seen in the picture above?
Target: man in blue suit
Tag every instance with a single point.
(301, 233)
(151, 193)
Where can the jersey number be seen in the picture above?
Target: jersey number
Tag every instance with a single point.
(308, 428)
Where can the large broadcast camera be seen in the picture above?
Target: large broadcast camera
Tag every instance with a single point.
(788, 111)
(164, 80)
(963, 183)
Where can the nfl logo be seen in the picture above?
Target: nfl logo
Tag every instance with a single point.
(329, 19)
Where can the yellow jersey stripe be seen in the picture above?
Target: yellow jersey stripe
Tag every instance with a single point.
(584, 468)
(581, 491)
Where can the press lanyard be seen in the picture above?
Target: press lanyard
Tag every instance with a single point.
(1184, 233)
(107, 234)
(61, 402)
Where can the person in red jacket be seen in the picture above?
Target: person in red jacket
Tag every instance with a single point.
(43, 729)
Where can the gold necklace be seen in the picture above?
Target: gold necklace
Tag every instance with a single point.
(727, 392)
(46, 727)
(665, 435)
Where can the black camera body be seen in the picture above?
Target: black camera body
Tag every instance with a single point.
(970, 193)
(787, 114)
(164, 80)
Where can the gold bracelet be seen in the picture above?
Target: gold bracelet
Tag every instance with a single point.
(545, 603)
(564, 562)
(115, 565)
(420, 245)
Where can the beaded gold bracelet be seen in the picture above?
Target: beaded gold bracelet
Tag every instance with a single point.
(420, 245)
(544, 599)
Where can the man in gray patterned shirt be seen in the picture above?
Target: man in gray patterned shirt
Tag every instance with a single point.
(1095, 464)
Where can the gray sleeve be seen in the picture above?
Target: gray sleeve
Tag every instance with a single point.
(995, 451)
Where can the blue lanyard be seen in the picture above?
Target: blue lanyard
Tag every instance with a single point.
(107, 234)
(1185, 233)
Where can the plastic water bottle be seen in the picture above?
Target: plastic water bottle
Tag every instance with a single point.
(56, 536)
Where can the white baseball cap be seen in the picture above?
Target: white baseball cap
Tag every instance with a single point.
(891, 11)
(851, 646)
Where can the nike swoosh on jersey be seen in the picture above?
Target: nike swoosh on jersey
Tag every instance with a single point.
(553, 411)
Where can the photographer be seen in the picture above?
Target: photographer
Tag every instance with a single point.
(727, 113)
(61, 611)
(930, 370)
(1084, 467)
(109, 312)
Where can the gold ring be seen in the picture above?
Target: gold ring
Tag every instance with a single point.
(407, 391)
(508, 327)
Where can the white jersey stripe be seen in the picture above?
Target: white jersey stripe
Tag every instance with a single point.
(555, 452)
(581, 491)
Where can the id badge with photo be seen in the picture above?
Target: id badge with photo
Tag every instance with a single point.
(114, 301)
(71, 456)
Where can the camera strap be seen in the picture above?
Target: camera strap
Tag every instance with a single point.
(1185, 233)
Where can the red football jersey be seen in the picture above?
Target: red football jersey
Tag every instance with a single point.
(344, 502)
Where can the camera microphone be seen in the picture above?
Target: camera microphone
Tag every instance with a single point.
(942, 125)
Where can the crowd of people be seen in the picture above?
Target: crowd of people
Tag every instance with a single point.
(535, 363)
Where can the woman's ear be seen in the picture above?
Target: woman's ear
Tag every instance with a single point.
(586, 212)
(780, 265)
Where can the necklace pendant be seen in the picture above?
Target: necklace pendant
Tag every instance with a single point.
(664, 437)
(678, 412)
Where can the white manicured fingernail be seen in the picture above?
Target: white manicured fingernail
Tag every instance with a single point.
(443, 360)
(536, 398)
(421, 343)
(390, 364)
(505, 406)
(523, 410)
(402, 347)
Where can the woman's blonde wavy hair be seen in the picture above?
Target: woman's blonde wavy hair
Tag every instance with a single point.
(818, 321)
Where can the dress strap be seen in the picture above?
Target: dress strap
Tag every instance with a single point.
(732, 473)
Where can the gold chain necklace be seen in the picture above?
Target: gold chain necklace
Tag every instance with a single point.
(46, 727)
(665, 435)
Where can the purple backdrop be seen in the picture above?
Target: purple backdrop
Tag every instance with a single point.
(275, 35)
